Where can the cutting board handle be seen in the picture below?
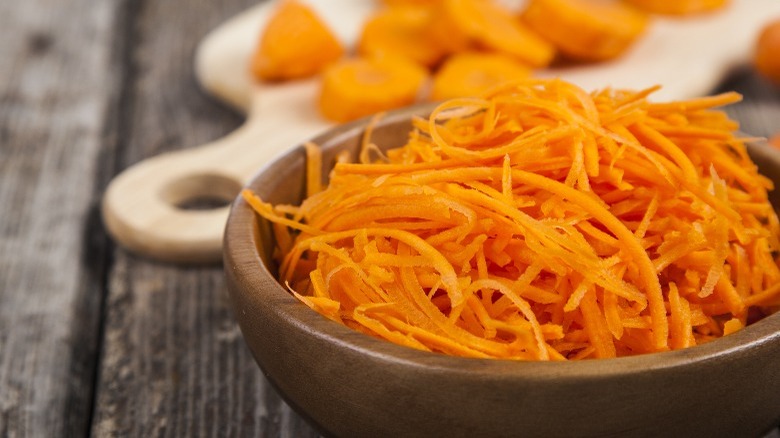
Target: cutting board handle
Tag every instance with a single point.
(145, 206)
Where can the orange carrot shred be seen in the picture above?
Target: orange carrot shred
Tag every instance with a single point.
(539, 222)
(313, 168)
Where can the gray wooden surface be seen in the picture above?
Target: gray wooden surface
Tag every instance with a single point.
(93, 340)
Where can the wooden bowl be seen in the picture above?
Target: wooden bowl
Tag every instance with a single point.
(349, 384)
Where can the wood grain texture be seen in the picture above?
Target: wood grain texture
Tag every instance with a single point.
(58, 83)
(173, 361)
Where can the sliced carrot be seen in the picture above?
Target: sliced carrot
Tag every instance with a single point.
(295, 43)
(358, 87)
(767, 52)
(678, 7)
(466, 24)
(471, 73)
(540, 222)
(411, 2)
(589, 30)
(401, 31)
(775, 141)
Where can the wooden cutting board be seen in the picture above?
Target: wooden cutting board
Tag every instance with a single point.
(142, 205)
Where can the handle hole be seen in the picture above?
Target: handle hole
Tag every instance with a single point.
(201, 192)
(202, 203)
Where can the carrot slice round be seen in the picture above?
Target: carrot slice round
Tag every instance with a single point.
(358, 87)
(775, 141)
(471, 73)
(296, 43)
(411, 2)
(589, 30)
(678, 7)
(767, 54)
(465, 24)
(401, 31)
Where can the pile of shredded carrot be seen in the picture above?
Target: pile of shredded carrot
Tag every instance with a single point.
(540, 222)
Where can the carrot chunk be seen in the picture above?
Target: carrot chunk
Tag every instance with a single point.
(401, 31)
(774, 141)
(678, 7)
(471, 73)
(588, 30)
(411, 2)
(483, 24)
(295, 44)
(767, 54)
(358, 87)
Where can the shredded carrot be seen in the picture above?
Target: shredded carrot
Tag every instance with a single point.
(540, 222)
(313, 169)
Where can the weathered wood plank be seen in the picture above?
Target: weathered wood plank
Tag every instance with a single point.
(174, 362)
(58, 88)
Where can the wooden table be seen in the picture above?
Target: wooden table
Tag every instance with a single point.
(94, 340)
